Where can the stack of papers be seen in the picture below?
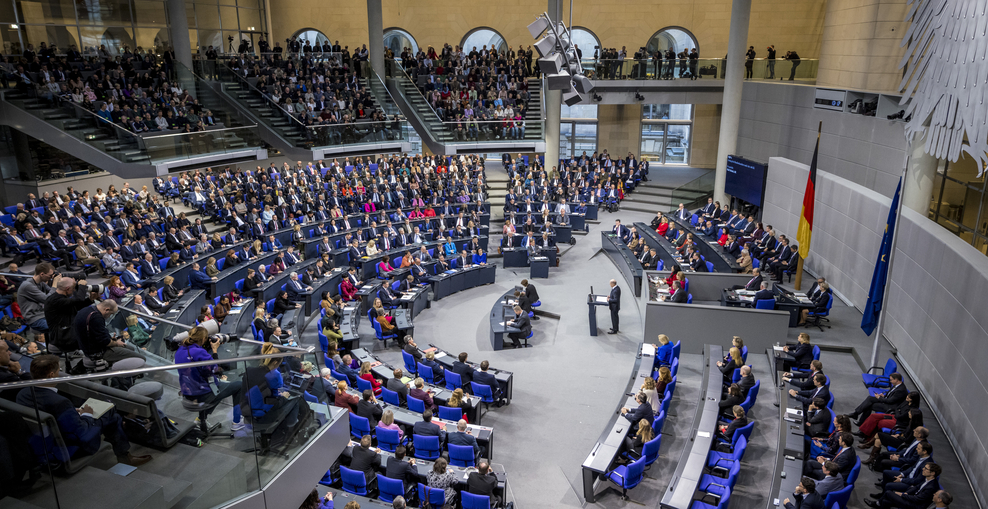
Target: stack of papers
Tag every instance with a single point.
(601, 299)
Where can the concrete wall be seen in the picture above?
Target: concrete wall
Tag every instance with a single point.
(696, 324)
(938, 283)
(796, 25)
(15, 190)
(706, 133)
(619, 128)
(780, 121)
(860, 46)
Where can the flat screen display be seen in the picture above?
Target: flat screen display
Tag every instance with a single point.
(745, 179)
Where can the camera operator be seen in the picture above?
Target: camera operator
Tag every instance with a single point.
(31, 297)
(95, 340)
(194, 382)
(61, 307)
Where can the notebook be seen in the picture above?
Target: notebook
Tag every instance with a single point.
(99, 407)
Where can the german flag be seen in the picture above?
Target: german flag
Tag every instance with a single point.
(805, 231)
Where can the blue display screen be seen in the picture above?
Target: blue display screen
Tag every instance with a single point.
(745, 180)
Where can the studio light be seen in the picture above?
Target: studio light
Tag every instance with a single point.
(546, 46)
(558, 59)
(552, 64)
(538, 26)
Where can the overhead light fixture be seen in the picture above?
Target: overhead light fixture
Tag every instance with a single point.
(13, 26)
(571, 98)
(546, 46)
(538, 26)
(551, 65)
(560, 81)
(582, 84)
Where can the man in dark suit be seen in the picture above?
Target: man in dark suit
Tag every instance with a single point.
(427, 428)
(910, 470)
(803, 379)
(620, 230)
(530, 292)
(463, 369)
(747, 380)
(398, 468)
(882, 402)
(918, 495)
(483, 482)
(819, 390)
(845, 459)
(678, 294)
(644, 411)
(818, 418)
(463, 437)
(763, 292)
(614, 304)
(905, 455)
(394, 384)
(78, 426)
(832, 482)
(521, 322)
(412, 349)
(366, 460)
(805, 496)
(483, 377)
(368, 409)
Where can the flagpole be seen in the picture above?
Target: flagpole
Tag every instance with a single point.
(880, 327)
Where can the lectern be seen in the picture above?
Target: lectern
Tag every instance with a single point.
(592, 302)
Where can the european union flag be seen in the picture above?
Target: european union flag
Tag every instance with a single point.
(876, 294)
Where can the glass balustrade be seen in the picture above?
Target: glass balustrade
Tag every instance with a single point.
(713, 68)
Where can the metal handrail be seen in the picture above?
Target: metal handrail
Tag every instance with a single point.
(155, 369)
(419, 92)
(263, 95)
(384, 86)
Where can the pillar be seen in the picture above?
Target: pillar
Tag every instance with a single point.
(730, 114)
(553, 102)
(918, 187)
(375, 35)
(178, 32)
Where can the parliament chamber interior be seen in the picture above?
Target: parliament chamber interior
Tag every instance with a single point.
(379, 254)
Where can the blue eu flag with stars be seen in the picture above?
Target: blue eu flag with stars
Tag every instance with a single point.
(878, 280)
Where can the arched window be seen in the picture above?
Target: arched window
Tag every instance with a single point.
(397, 40)
(315, 37)
(677, 38)
(480, 37)
(585, 41)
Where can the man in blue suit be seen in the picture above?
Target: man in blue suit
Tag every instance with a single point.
(77, 426)
(296, 290)
(915, 494)
(644, 411)
(463, 437)
(483, 377)
(131, 278)
(427, 428)
(199, 279)
(620, 230)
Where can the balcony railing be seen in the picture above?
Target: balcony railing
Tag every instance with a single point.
(712, 68)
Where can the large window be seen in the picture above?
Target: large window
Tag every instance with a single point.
(585, 41)
(312, 36)
(397, 40)
(483, 37)
(676, 38)
(578, 130)
(960, 201)
(666, 130)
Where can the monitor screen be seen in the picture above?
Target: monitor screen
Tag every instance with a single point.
(745, 179)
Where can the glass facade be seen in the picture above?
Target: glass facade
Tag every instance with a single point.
(397, 40)
(959, 202)
(118, 25)
(666, 133)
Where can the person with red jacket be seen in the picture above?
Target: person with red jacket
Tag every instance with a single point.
(365, 373)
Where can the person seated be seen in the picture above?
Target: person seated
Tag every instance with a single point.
(430, 361)
(344, 399)
(832, 482)
(419, 392)
(732, 397)
(365, 459)
(727, 367)
(643, 433)
(395, 384)
(663, 352)
(819, 390)
(803, 379)
(644, 410)
(909, 470)
(819, 303)
(726, 431)
(345, 369)
(483, 482)
(78, 427)
(653, 396)
(802, 352)
(883, 401)
(805, 496)
(368, 409)
(365, 373)
(845, 458)
(463, 436)
(747, 380)
(916, 494)
(427, 428)
(400, 469)
(818, 419)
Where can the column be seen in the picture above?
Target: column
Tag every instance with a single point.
(918, 188)
(730, 114)
(553, 102)
(375, 34)
(178, 32)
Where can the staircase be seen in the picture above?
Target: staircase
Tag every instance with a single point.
(654, 197)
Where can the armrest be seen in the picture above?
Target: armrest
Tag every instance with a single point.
(876, 367)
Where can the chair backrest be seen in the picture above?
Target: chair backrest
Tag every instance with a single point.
(650, 451)
(753, 392)
(426, 448)
(409, 362)
(220, 263)
(416, 405)
(483, 391)
(838, 498)
(425, 372)
(359, 426)
(450, 413)
(659, 422)
(671, 388)
(743, 431)
(435, 496)
(239, 285)
(453, 380)
(353, 481)
(634, 474)
(461, 455)
(390, 397)
(816, 352)
(689, 299)
(890, 366)
(364, 385)
(674, 367)
(664, 407)
(390, 488)
(269, 306)
(323, 342)
(675, 351)
(765, 304)
(471, 501)
(744, 354)
(387, 439)
(710, 266)
(852, 476)
(739, 448)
